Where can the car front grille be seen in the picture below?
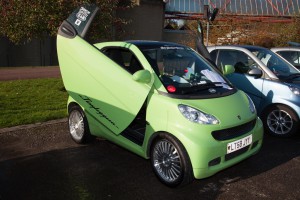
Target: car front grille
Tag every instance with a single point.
(230, 133)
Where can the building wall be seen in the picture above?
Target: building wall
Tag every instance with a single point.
(146, 21)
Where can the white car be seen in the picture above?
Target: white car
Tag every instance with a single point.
(291, 54)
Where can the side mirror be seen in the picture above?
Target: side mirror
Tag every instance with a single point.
(228, 69)
(256, 73)
(142, 76)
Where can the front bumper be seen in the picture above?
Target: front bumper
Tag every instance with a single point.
(209, 156)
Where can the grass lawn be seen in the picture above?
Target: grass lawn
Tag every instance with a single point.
(31, 101)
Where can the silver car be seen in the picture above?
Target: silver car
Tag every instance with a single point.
(272, 83)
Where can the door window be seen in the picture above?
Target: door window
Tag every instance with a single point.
(124, 58)
(238, 59)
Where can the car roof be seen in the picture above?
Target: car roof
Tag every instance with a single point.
(150, 43)
(285, 49)
(250, 47)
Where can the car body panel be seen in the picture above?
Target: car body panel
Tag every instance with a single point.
(198, 139)
(253, 87)
(112, 100)
(265, 91)
(81, 66)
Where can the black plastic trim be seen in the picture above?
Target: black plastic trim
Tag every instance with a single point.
(237, 131)
(134, 136)
(200, 96)
(236, 153)
(67, 30)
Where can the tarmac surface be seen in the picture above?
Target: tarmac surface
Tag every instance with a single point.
(40, 161)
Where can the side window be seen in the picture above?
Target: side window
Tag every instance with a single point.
(297, 58)
(238, 59)
(291, 56)
(124, 58)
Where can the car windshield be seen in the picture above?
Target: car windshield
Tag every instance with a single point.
(276, 64)
(183, 71)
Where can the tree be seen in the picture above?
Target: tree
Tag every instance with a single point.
(23, 20)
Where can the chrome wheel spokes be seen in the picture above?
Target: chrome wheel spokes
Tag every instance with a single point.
(76, 124)
(166, 161)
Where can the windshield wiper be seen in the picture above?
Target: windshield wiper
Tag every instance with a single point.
(201, 87)
(292, 76)
(220, 83)
(208, 85)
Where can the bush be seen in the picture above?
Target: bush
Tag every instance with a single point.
(22, 20)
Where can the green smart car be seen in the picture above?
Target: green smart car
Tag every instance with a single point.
(160, 100)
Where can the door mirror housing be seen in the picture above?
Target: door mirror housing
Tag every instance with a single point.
(142, 76)
(228, 69)
(256, 73)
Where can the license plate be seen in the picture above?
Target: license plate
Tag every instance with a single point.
(239, 144)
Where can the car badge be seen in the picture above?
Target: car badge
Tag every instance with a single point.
(239, 117)
(212, 90)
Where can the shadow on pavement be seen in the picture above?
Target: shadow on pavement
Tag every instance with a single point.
(103, 170)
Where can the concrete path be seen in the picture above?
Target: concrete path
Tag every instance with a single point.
(17, 73)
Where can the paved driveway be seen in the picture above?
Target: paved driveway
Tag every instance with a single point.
(42, 162)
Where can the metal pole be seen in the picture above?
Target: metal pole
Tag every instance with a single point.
(207, 32)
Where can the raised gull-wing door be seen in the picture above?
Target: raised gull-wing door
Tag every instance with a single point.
(108, 93)
(79, 21)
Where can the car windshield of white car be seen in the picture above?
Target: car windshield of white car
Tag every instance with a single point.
(183, 71)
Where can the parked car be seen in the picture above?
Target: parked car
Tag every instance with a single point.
(271, 82)
(291, 54)
(160, 100)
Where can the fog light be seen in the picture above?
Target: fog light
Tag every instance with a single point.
(215, 161)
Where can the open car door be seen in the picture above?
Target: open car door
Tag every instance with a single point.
(106, 92)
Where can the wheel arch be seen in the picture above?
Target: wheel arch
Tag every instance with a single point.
(158, 135)
(286, 128)
(72, 104)
(267, 107)
(153, 137)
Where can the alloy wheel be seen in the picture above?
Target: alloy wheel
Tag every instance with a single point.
(279, 122)
(76, 125)
(166, 161)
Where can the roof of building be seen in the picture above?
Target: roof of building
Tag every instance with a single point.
(254, 8)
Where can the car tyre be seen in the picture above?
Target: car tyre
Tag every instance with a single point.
(280, 121)
(78, 125)
(170, 161)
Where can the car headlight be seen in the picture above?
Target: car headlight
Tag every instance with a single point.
(197, 116)
(295, 90)
(251, 105)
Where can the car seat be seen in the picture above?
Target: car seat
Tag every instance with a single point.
(116, 55)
